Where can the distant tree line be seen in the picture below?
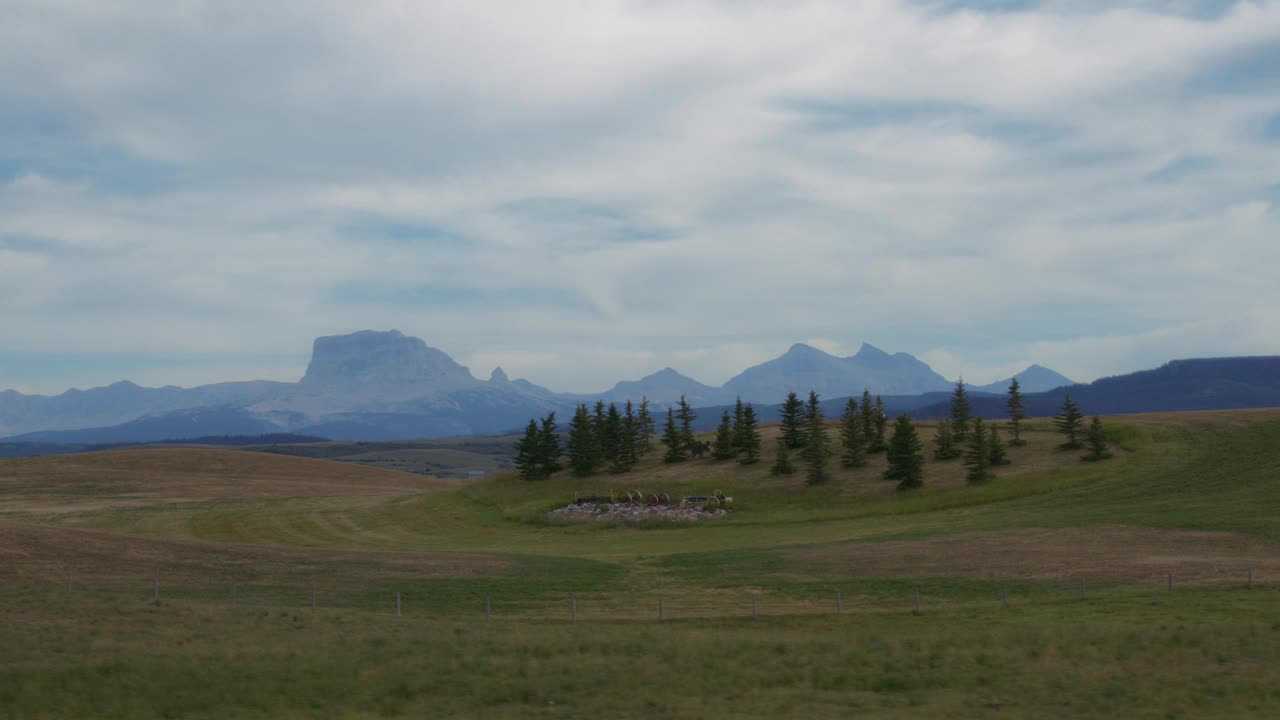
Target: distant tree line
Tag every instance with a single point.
(803, 428)
(538, 451)
(607, 438)
(980, 444)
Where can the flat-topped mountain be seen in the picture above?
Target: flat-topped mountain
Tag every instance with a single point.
(371, 358)
(376, 385)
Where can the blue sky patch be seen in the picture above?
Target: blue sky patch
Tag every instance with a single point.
(1181, 169)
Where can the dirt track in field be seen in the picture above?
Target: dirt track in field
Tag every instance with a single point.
(1108, 551)
(39, 551)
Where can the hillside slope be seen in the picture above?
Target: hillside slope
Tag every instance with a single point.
(130, 478)
(1177, 386)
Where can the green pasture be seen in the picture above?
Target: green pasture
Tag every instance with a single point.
(1141, 586)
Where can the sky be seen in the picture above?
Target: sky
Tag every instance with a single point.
(583, 192)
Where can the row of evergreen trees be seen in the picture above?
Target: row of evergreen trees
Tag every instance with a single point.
(615, 440)
(963, 436)
(803, 428)
(538, 451)
(606, 438)
(980, 445)
(1070, 423)
(737, 436)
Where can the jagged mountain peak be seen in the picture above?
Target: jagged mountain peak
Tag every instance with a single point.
(871, 352)
(667, 373)
(804, 349)
(664, 387)
(803, 368)
(498, 375)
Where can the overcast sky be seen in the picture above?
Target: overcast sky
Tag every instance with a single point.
(589, 191)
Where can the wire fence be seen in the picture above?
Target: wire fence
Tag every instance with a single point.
(492, 600)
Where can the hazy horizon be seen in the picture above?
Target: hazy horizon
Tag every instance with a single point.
(586, 193)
(483, 374)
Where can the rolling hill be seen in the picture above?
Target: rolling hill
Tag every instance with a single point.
(198, 583)
(1180, 385)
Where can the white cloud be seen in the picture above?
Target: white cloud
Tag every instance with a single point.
(708, 182)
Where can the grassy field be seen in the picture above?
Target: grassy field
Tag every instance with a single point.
(1044, 593)
(444, 457)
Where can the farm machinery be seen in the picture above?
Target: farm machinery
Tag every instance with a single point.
(715, 500)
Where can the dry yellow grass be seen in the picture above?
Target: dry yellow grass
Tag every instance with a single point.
(33, 551)
(134, 478)
(1119, 552)
(151, 495)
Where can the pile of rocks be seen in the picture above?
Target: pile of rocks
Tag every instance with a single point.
(633, 512)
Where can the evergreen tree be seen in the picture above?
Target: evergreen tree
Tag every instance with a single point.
(879, 421)
(1016, 413)
(737, 425)
(817, 448)
(978, 457)
(906, 455)
(852, 442)
(644, 428)
(960, 413)
(722, 448)
(674, 441)
(944, 442)
(529, 453)
(782, 463)
(614, 441)
(996, 452)
(630, 436)
(1069, 422)
(597, 420)
(549, 445)
(867, 413)
(1097, 439)
(793, 421)
(687, 417)
(748, 439)
(584, 446)
(608, 432)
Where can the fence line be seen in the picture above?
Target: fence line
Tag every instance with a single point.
(692, 604)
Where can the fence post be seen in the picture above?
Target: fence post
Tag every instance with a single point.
(68, 583)
(1084, 592)
(155, 588)
(839, 604)
(313, 599)
(1005, 596)
(234, 588)
(573, 609)
(1170, 582)
(659, 609)
(486, 608)
(397, 603)
(753, 606)
(1250, 578)
(916, 610)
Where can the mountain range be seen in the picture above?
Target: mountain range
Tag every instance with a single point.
(373, 385)
(1197, 384)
